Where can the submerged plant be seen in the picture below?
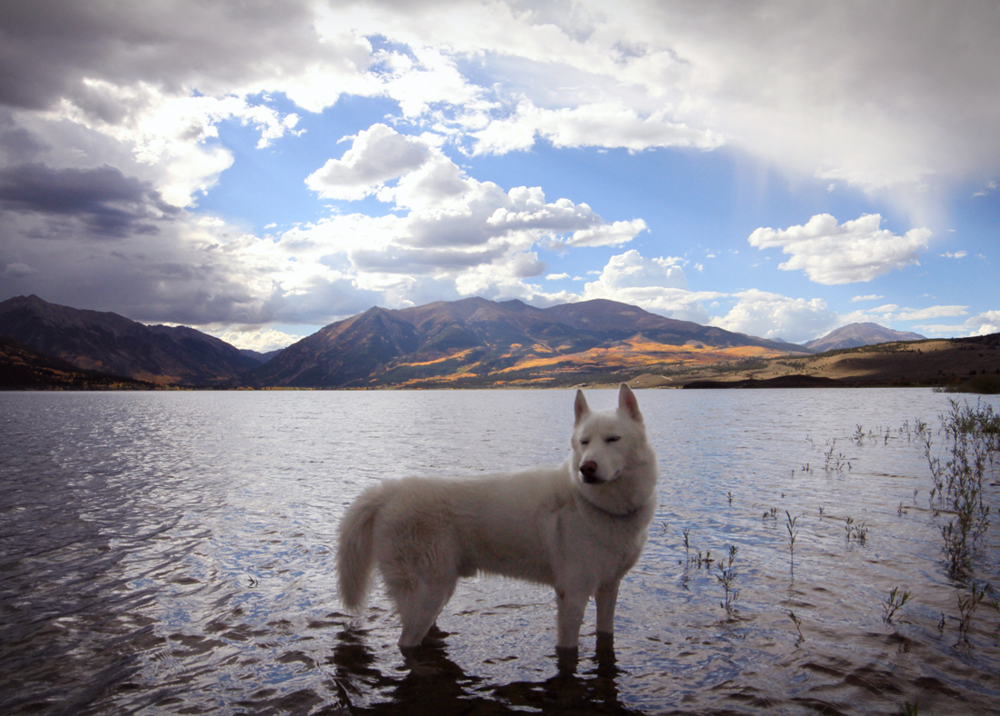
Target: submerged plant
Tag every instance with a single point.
(835, 462)
(967, 606)
(829, 454)
(798, 625)
(793, 531)
(727, 578)
(894, 603)
(856, 532)
(974, 442)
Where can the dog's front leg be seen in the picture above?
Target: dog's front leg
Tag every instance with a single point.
(607, 598)
(572, 604)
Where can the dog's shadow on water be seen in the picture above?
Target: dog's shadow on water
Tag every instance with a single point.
(428, 682)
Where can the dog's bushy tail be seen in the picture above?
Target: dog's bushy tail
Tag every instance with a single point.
(355, 552)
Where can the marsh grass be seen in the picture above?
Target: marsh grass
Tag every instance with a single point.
(973, 439)
(894, 603)
(727, 578)
(793, 533)
(798, 626)
(960, 468)
(967, 606)
(877, 434)
(856, 532)
(835, 461)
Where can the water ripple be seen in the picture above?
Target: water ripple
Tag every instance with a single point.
(174, 553)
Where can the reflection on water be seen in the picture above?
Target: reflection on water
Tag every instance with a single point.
(173, 553)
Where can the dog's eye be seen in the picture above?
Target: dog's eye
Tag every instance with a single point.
(585, 441)
(612, 439)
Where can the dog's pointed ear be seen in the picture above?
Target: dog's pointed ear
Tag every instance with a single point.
(580, 407)
(628, 404)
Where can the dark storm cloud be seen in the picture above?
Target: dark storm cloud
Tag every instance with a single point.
(147, 278)
(48, 47)
(109, 203)
(17, 144)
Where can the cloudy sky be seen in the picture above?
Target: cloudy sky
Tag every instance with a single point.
(258, 170)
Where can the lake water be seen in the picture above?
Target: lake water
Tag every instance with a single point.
(173, 553)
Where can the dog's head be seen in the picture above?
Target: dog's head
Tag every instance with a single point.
(607, 444)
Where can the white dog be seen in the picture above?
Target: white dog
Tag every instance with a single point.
(579, 528)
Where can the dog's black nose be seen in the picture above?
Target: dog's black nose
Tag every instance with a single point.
(589, 472)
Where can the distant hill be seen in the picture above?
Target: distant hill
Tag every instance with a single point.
(476, 343)
(857, 335)
(965, 364)
(260, 357)
(113, 344)
(21, 368)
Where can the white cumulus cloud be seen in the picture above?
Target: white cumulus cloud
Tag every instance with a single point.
(601, 125)
(832, 253)
(984, 324)
(255, 338)
(448, 230)
(924, 314)
(377, 155)
(769, 315)
(657, 285)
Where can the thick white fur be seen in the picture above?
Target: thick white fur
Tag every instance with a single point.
(579, 527)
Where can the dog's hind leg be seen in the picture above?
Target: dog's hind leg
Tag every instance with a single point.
(418, 606)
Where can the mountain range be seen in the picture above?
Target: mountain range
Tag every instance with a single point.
(472, 342)
(468, 343)
(480, 343)
(115, 345)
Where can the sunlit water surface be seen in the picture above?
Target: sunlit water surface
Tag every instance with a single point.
(174, 553)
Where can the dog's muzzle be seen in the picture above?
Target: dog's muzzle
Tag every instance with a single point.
(589, 472)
